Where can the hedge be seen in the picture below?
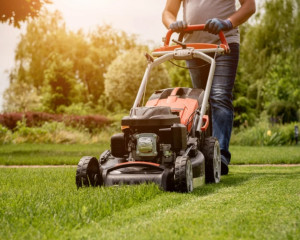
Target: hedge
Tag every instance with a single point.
(33, 119)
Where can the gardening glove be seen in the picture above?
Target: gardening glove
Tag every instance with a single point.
(216, 25)
(178, 26)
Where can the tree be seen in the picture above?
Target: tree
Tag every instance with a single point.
(21, 97)
(93, 57)
(48, 49)
(60, 88)
(269, 63)
(124, 77)
(16, 11)
(43, 37)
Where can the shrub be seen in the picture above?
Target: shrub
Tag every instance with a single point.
(51, 132)
(263, 134)
(283, 111)
(244, 114)
(24, 133)
(5, 134)
(10, 120)
(90, 122)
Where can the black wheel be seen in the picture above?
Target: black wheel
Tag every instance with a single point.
(212, 154)
(183, 176)
(88, 172)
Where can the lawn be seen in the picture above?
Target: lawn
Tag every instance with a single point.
(69, 154)
(48, 154)
(265, 155)
(250, 203)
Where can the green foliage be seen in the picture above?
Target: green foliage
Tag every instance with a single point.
(60, 84)
(16, 11)
(180, 76)
(53, 132)
(21, 97)
(283, 112)
(105, 45)
(50, 132)
(244, 115)
(5, 135)
(269, 64)
(283, 83)
(62, 67)
(264, 134)
(80, 109)
(124, 77)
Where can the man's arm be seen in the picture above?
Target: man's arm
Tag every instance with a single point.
(243, 13)
(215, 25)
(170, 12)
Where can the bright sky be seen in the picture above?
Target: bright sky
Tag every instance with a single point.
(142, 17)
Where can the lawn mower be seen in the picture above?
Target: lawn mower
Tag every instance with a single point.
(168, 140)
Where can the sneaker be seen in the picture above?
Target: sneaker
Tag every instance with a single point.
(224, 168)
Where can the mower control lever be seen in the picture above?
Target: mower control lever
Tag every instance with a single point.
(180, 43)
(190, 29)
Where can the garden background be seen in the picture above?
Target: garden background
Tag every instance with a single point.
(68, 90)
(63, 72)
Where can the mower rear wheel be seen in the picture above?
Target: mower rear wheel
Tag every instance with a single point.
(88, 172)
(212, 154)
(183, 176)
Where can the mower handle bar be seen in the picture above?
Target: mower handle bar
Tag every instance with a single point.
(193, 28)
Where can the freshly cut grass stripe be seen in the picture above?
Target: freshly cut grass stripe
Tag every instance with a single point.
(249, 203)
(48, 154)
(265, 155)
(69, 154)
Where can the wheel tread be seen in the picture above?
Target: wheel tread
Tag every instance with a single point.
(85, 167)
(180, 175)
(208, 151)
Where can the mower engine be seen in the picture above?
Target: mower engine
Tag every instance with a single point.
(156, 138)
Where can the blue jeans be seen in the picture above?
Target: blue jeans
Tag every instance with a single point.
(220, 95)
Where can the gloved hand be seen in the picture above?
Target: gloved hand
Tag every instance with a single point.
(215, 25)
(178, 26)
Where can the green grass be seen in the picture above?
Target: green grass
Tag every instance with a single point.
(56, 154)
(265, 155)
(249, 203)
(48, 154)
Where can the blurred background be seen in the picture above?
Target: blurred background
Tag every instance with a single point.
(75, 66)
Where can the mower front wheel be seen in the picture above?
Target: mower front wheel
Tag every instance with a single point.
(88, 172)
(212, 154)
(183, 176)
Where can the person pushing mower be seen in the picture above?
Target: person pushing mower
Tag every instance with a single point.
(218, 15)
(168, 140)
